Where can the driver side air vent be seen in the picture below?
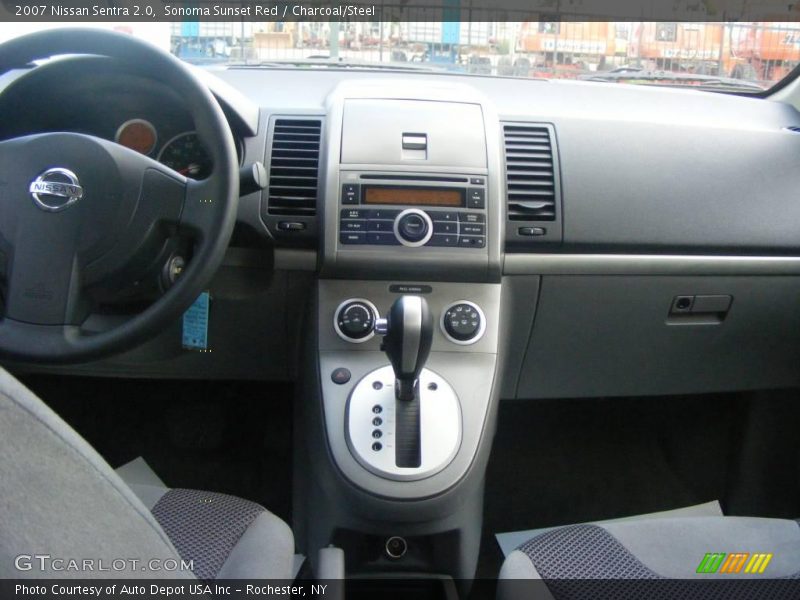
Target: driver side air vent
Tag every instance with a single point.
(294, 167)
(533, 187)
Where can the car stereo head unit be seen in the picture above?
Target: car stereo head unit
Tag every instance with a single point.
(412, 210)
(413, 196)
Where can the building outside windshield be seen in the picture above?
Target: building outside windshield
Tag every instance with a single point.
(756, 53)
(733, 56)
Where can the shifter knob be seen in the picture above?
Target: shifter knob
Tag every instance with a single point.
(407, 343)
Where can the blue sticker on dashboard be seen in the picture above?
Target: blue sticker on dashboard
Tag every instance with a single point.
(195, 324)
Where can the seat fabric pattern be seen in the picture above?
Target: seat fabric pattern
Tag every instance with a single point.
(587, 562)
(204, 526)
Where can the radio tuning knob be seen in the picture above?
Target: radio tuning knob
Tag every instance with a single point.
(413, 227)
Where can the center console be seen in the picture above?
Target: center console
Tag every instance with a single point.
(399, 416)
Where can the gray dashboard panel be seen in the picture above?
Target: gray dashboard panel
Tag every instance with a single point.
(643, 168)
(372, 130)
(608, 336)
(674, 185)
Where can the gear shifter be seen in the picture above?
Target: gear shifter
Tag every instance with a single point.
(408, 332)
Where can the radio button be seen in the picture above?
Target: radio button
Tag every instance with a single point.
(380, 225)
(470, 229)
(476, 198)
(443, 227)
(443, 240)
(477, 181)
(354, 213)
(471, 241)
(350, 193)
(466, 217)
(381, 213)
(383, 239)
(353, 238)
(353, 225)
(443, 215)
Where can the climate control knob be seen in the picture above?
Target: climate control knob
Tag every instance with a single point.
(354, 320)
(413, 227)
(463, 322)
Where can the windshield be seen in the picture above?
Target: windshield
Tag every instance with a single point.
(734, 56)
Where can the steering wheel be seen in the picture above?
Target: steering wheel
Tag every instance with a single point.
(75, 208)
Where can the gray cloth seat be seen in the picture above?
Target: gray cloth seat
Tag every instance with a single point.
(657, 558)
(60, 498)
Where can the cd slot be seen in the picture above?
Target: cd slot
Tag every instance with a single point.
(396, 177)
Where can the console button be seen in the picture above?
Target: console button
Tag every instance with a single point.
(468, 217)
(354, 213)
(477, 181)
(443, 215)
(350, 193)
(291, 226)
(463, 322)
(353, 238)
(383, 239)
(476, 198)
(340, 376)
(354, 225)
(382, 213)
(532, 231)
(469, 229)
(380, 225)
(443, 227)
(471, 241)
(443, 240)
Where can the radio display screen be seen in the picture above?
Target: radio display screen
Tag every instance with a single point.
(414, 196)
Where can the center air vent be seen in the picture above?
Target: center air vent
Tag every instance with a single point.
(531, 187)
(294, 167)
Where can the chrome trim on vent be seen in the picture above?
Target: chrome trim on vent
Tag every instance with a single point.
(648, 264)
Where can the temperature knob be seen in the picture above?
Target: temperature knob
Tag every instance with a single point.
(354, 320)
(463, 322)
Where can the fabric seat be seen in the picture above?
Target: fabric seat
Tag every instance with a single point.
(584, 561)
(59, 497)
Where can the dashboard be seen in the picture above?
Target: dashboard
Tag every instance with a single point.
(608, 214)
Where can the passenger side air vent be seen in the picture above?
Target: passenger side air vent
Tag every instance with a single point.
(533, 186)
(294, 167)
(530, 173)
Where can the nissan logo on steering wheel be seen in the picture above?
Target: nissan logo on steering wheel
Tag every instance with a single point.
(56, 189)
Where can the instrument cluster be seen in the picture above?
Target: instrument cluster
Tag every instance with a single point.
(183, 153)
